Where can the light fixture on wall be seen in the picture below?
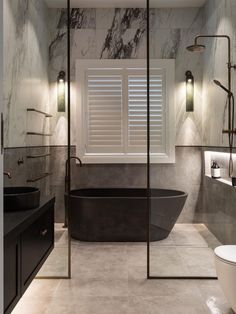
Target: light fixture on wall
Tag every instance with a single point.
(61, 95)
(189, 91)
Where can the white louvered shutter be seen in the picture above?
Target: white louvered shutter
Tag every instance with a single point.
(112, 111)
(137, 111)
(104, 112)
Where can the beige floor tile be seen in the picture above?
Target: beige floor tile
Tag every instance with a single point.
(162, 288)
(166, 305)
(137, 255)
(187, 235)
(199, 261)
(42, 288)
(75, 288)
(31, 306)
(166, 261)
(214, 298)
(56, 264)
(110, 278)
(102, 305)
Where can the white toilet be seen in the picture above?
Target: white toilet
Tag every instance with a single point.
(225, 259)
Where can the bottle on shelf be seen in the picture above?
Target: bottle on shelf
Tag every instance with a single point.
(215, 170)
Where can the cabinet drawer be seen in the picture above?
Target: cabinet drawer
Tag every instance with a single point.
(36, 241)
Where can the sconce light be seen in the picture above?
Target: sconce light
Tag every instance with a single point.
(189, 91)
(61, 98)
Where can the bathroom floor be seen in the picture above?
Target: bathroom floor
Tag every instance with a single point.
(57, 262)
(188, 251)
(110, 278)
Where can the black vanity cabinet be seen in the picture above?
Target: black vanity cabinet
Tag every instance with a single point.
(11, 273)
(26, 247)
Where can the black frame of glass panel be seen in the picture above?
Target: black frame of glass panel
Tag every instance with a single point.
(149, 276)
(69, 128)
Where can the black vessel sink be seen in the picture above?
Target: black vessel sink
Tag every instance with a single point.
(21, 198)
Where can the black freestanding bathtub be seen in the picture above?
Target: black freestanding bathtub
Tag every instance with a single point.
(117, 215)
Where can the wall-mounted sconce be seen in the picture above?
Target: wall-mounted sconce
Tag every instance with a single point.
(61, 92)
(189, 91)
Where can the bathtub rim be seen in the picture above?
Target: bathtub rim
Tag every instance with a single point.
(181, 195)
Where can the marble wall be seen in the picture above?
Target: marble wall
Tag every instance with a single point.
(25, 71)
(219, 199)
(121, 33)
(218, 203)
(219, 19)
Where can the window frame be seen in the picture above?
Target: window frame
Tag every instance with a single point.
(120, 158)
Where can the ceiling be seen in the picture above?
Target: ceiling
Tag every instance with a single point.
(125, 3)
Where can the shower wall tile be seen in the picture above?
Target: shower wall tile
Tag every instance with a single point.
(218, 201)
(84, 45)
(219, 18)
(105, 18)
(133, 18)
(176, 18)
(80, 19)
(219, 210)
(164, 43)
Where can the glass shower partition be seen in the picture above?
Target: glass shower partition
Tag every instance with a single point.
(178, 247)
(58, 264)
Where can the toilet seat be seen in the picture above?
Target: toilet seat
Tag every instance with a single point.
(226, 253)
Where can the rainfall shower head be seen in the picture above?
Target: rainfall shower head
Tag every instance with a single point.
(223, 87)
(196, 48)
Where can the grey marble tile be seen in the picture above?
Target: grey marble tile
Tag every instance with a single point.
(219, 19)
(176, 18)
(133, 18)
(80, 18)
(106, 17)
(25, 69)
(164, 43)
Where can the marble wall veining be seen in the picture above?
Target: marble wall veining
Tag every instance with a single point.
(121, 34)
(25, 71)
